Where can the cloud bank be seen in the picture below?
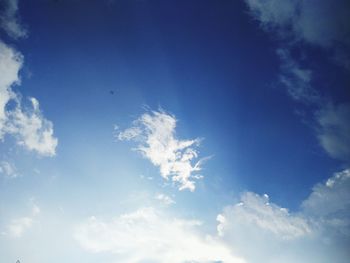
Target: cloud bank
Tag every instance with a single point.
(148, 235)
(155, 135)
(317, 233)
(250, 230)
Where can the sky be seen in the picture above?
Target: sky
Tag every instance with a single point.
(150, 131)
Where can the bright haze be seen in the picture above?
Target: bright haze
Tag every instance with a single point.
(174, 131)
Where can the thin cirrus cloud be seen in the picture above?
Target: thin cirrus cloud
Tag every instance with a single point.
(9, 19)
(324, 24)
(155, 135)
(318, 22)
(334, 130)
(296, 79)
(25, 123)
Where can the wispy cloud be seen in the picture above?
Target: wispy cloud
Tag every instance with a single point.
(9, 19)
(155, 134)
(8, 169)
(334, 130)
(324, 24)
(164, 199)
(296, 79)
(18, 226)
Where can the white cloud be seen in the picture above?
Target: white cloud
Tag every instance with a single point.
(26, 124)
(164, 199)
(273, 14)
(334, 132)
(296, 79)
(32, 130)
(18, 226)
(149, 235)
(35, 209)
(256, 213)
(331, 199)
(9, 20)
(8, 169)
(10, 64)
(319, 22)
(318, 233)
(323, 23)
(155, 134)
(252, 230)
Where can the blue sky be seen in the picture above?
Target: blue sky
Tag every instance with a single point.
(174, 131)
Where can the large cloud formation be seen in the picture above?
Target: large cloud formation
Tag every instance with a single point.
(25, 123)
(317, 233)
(155, 134)
(252, 230)
(148, 235)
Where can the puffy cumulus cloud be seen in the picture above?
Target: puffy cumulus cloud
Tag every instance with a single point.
(249, 231)
(252, 230)
(334, 130)
(32, 130)
(318, 233)
(256, 211)
(26, 124)
(10, 64)
(330, 201)
(155, 134)
(148, 235)
(319, 22)
(9, 20)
